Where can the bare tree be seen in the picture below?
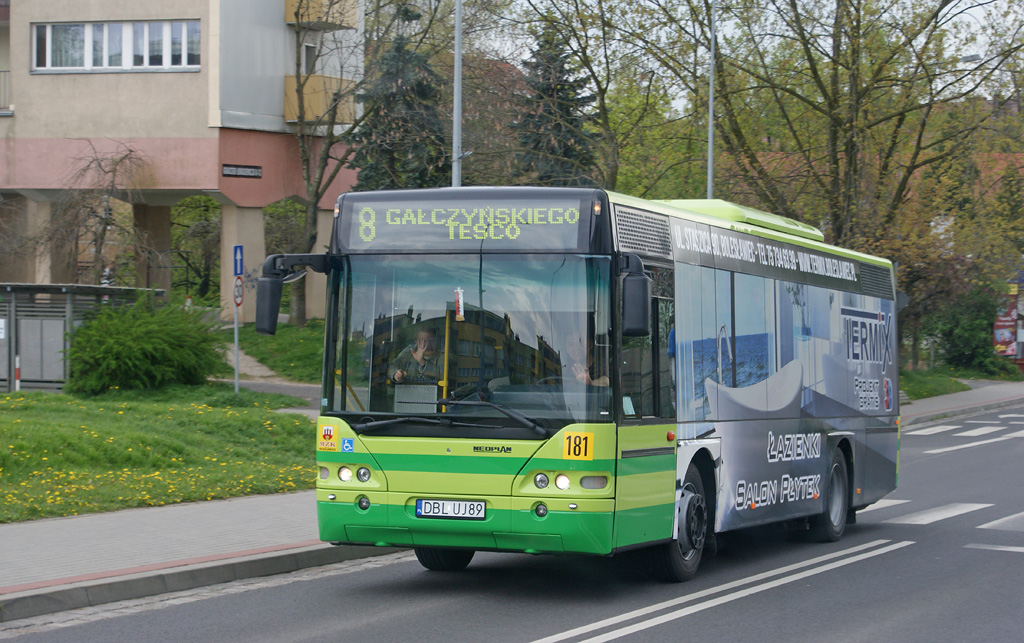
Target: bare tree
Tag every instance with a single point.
(84, 214)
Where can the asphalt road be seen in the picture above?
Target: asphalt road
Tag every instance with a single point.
(940, 559)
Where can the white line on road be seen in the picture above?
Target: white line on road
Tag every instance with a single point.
(929, 516)
(1010, 523)
(882, 504)
(1018, 434)
(615, 620)
(935, 429)
(728, 598)
(980, 431)
(970, 444)
(1017, 550)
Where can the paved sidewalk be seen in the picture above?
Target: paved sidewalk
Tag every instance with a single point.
(64, 563)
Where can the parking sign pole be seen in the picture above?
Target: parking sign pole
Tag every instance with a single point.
(239, 290)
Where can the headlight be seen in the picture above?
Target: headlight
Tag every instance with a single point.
(562, 481)
(363, 474)
(540, 480)
(344, 474)
(324, 473)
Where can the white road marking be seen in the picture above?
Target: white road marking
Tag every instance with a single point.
(1010, 523)
(977, 433)
(935, 429)
(735, 596)
(969, 445)
(1018, 434)
(1018, 550)
(882, 504)
(977, 421)
(615, 620)
(929, 516)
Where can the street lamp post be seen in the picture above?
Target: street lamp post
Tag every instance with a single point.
(711, 109)
(457, 101)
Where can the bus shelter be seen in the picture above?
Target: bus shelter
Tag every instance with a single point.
(35, 320)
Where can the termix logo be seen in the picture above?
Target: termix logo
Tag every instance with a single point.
(868, 336)
(492, 449)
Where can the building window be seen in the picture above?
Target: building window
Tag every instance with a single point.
(102, 46)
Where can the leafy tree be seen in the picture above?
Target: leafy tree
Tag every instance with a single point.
(401, 141)
(964, 326)
(195, 240)
(553, 124)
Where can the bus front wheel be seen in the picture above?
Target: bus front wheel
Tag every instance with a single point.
(444, 560)
(829, 525)
(677, 561)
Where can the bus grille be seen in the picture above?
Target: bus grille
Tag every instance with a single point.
(876, 281)
(642, 232)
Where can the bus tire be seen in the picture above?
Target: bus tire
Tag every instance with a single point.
(829, 525)
(444, 560)
(677, 561)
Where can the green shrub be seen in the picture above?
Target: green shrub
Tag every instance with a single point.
(143, 346)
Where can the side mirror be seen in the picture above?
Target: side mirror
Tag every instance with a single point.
(268, 304)
(636, 299)
(277, 271)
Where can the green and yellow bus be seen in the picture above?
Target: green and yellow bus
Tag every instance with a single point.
(570, 370)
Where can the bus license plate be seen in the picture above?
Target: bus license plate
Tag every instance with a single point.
(459, 509)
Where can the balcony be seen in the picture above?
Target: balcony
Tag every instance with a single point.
(322, 15)
(319, 91)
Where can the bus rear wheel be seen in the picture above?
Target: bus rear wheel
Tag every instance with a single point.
(444, 560)
(678, 560)
(829, 525)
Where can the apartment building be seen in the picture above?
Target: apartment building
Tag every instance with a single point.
(202, 91)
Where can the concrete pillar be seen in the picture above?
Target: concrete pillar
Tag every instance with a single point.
(152, 246)
(316, 283)
(31, 251)
(240, 227)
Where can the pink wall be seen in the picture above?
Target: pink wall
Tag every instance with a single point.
(172, 164)
(278, 157)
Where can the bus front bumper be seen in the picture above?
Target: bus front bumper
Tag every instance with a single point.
(510, 523)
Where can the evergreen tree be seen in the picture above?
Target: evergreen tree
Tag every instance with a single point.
(401, 142)
(557, 148)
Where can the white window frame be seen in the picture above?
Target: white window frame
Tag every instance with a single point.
(127, 47)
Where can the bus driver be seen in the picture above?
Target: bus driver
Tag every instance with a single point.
(418, 362)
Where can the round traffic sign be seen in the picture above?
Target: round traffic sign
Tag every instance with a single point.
(239, 290)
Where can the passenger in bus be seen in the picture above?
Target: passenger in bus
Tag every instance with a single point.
(419, 362)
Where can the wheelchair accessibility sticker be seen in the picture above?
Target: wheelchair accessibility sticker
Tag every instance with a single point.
(348, 445)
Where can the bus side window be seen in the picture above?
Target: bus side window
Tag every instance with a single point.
(648, 386)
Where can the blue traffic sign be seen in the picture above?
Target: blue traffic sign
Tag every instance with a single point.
(239, 266)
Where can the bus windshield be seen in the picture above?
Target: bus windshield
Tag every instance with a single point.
(496, 332)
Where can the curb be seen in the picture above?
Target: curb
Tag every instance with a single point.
(59, 598)
(959, 411)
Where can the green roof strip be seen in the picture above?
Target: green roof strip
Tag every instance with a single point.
(741, 214)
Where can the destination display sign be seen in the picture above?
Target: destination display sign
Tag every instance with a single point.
(495, 224)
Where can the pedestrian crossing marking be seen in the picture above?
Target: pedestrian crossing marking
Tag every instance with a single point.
(977, 421)
(970, 444)
(980, 431)
(1018, 434)
(928, 516)
(1016, 550)
(1009, 523)
(882, 504)
(936, 429)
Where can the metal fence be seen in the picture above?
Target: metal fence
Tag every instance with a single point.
(35, 320)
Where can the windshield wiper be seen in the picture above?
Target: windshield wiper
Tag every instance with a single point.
(509, 412)
(362, 427)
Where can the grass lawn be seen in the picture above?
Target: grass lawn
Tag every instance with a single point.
(293, 353)
(63, 455)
